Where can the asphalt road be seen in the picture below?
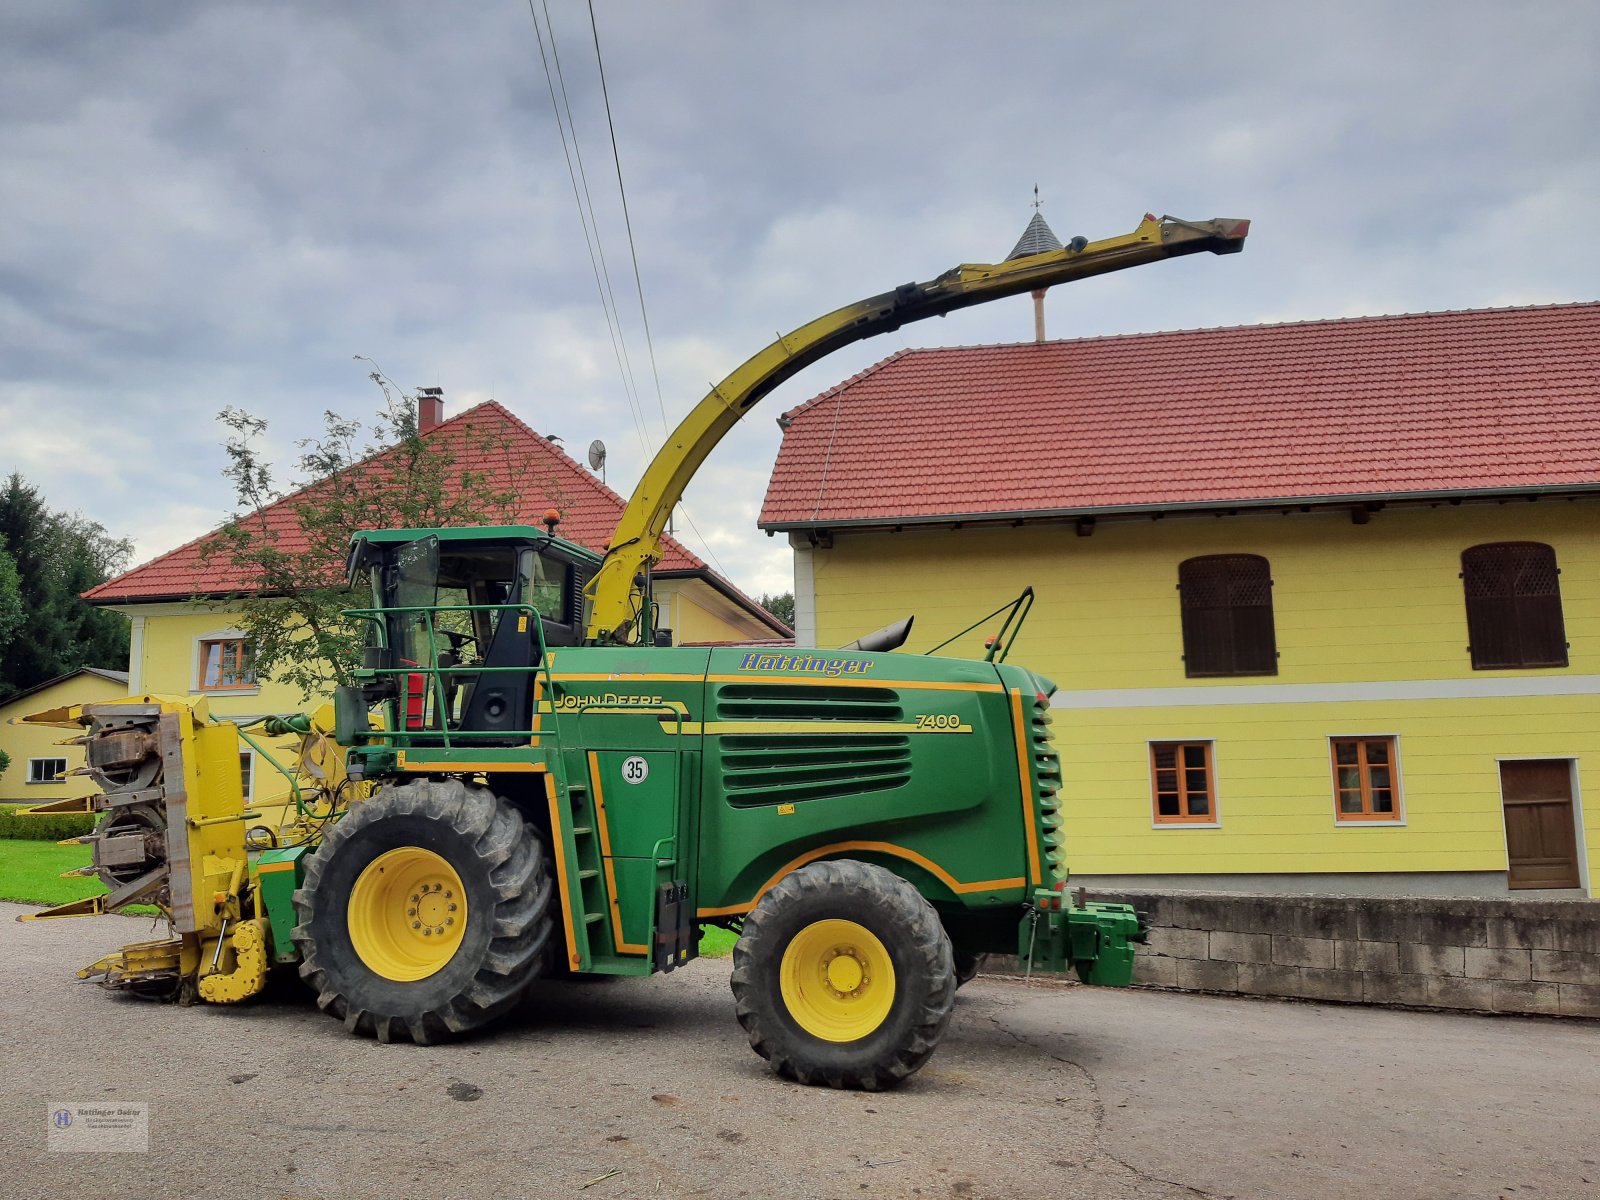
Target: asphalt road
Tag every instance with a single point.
(647, 1088)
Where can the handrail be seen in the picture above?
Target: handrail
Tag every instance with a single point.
(435, 673)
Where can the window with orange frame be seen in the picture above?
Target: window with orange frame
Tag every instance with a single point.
(1366, 779)
(1182, 783)
(226, 666)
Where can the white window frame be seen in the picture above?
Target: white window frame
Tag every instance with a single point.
(62, 778)
(247, 754)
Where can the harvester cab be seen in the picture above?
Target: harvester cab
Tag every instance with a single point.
(459, 625)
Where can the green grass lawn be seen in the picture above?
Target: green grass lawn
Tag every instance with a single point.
(717, 943)
(30, 873)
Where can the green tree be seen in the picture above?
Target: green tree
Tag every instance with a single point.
(290, 550)
(50, 558)
(781, 606)
(10, 600)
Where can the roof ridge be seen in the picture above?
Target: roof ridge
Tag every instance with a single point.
(1164, 333)
(595, 504)
(285, 499)
(576, 468)
(1494, 399)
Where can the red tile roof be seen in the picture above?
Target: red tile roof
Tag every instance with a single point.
(510, 453)
(1492, 400)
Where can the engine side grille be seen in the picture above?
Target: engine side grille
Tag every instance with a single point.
(807, 702)
(760, 769)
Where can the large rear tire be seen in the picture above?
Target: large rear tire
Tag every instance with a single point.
(843, 976)
(424, 913)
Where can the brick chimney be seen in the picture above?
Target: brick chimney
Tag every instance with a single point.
(430, 408)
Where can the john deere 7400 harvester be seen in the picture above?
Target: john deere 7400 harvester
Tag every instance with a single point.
(527, 784)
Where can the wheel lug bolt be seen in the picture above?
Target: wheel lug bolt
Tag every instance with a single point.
(448, 895)
(428, 932)
(451, 908)
(414, 899)
(449, 920)
(416, 924)
(411, 912)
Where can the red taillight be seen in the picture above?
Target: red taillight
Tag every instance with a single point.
(415, 699)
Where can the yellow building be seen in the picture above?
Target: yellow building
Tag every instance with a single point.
(185, 642)
(1322, 600)
(40, 769)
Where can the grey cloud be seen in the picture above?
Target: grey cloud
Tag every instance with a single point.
(208, 204)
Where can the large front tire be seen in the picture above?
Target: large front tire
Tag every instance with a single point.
(424, 913)
(843, 976)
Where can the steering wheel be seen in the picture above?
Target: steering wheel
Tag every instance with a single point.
(458, 640)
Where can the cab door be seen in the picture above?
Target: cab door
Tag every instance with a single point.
(635, 716)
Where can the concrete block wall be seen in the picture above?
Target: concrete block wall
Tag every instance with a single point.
(1510, 956)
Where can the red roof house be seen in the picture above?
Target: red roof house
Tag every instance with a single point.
(1451, 404)
(1318, 599)
(515, 459)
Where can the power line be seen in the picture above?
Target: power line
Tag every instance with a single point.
(629, 382)
(583, 220)
(627, 221)
(597, 259)
(633, 254)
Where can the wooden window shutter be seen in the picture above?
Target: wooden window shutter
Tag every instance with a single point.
(1513, 597)
(1228, 629)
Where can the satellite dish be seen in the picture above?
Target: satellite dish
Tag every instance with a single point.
(597, 457)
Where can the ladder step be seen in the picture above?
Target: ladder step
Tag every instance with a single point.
(588, 874)
(592, 918)
(582, 830)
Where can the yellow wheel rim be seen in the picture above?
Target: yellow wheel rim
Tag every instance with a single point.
(837, 980)
(407, 913)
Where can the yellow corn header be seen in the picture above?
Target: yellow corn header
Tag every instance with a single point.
(176, 831)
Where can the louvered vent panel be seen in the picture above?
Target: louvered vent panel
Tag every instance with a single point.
(762, 769)
(768, 766)
(807, 702)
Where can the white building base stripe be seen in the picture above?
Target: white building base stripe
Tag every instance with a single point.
(1200, 696)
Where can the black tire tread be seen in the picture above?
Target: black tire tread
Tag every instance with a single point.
(513, 857)
(758, 953)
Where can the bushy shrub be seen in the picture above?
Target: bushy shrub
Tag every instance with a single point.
(54, 828)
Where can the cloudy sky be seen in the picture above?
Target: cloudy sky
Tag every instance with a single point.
(211, 204)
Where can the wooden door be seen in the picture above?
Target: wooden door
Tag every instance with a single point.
(1541, 837)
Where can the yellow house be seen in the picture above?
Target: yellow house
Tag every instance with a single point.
(184, 640)
(40, 770)
(1322, 600)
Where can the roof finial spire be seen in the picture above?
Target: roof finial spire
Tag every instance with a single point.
(1038, 236)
